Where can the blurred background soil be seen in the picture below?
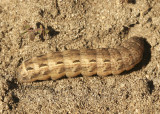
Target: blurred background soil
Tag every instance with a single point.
(76, 24)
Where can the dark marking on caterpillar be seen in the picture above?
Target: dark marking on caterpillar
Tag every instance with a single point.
(29, 68)
(61, 70)
(40, 56)
(43, 65)
(76, 61)
(46, 72)
(59, 62)
(87, 62)
(35, 75)
(92, 61)
(106, 61)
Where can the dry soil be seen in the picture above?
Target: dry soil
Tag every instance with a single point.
(76, 24)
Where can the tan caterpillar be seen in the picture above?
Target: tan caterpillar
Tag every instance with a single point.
(85, 61)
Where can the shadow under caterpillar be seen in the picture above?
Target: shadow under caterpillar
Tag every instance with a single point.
(87, 62)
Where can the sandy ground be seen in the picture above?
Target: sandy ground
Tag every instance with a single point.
(77, 24)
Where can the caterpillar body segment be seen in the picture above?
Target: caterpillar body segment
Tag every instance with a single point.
(87, 62)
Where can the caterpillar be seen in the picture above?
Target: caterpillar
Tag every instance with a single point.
(87, 62)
